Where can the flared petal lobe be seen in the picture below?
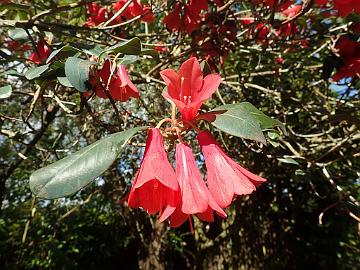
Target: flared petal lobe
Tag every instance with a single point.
(225, 178)
(193, 188)
(193, 196)
(155, 183)
(188, 89)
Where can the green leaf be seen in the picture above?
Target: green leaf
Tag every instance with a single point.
(15, 6)
(65, 48)
(77, 72)
(18, 34)
(288, 161)
(237, 121)
(265, 121)
(153, 53)
(128, 59)
(131, 46)
(70, 174)
(35, 72)
(64, 81)
(5, 91)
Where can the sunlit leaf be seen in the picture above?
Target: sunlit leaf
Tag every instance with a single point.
(5, 91)
(70, 174)
(77, 72)
(35, 72)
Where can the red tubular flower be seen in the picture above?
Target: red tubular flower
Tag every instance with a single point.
(133, 10)
(155, 183)
(41, 54)
(194, 197)
(173, 19)
(350, 69)
(345, 7)
(96, 14)
(225, 177)
(160, 47)
(187, 88)
(120, 86)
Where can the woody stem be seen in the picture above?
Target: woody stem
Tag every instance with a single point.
(173, 113)
(163, 121)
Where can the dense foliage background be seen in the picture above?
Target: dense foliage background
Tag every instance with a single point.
(306, 216)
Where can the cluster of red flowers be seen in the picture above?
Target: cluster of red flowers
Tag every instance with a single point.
(15, 45)
(38, 56)
(178, 194)
(343, 7)
(115, 80)
(189, 20)
(98, 14)
(349, 51)
(41, 53)
(261, 31)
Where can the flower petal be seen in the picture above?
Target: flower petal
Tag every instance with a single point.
(191, 79)
(211, 84)
(193, 189)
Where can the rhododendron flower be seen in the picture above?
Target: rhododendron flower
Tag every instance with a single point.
(349, 51)
(225, 178)
(345, 7)
(119, 84)
(155, 183)
(350, 69)
(291, 12)
(187, 88)
(41, 54)
(96, 14)
(160, 47)
(133, 10)
(173, 19)
(194, 196)
(15, 45)
(191, 16)
(347, 48)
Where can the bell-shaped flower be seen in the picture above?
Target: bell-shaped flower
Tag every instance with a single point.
(194, 197)
(96, 13)
(225, 178)
(188, 89)
(155, 183)
(41, 54)
(116, 81)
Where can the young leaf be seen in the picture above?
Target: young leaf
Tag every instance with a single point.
(35, 72)
(70, 174)
(5, 91)
(77, 72)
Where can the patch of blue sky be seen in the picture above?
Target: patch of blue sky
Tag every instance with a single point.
(343, 90)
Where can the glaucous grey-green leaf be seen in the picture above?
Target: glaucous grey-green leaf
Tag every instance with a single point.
(237, 121)
(5, 91)
(35, 72)
(77, 72)
(265, 121)
(64, 81)
(70, 174)
(66, 48)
